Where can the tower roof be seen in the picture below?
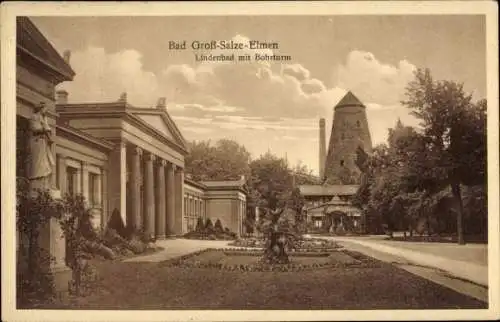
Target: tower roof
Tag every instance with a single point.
(349, 99)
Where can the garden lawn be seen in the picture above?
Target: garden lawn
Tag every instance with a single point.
(150, 286)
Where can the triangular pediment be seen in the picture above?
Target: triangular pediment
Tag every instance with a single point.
(162, 123)
(158, 123)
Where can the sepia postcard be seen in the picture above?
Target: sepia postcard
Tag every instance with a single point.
(250, 161)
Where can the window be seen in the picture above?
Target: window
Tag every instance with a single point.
(318, 223)
(341, 163)
(358, 124)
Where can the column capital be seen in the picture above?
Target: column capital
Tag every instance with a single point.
(171, 166)
(137, 150)
(150, 157)
(85, 164)
(161, 162)
(123, 143)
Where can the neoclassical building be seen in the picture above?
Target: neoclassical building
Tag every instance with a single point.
(118, 156)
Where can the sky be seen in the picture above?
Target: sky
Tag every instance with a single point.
(266, 105)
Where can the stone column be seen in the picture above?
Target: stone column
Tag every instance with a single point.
(104, 200)
(117, 180)
(78, 182)
(62, 178)
(179, 205)
(98, 190)
(134, 219)
(160, 201)
(85, 182)
(53, 178)
(149, 197)
(170, 199)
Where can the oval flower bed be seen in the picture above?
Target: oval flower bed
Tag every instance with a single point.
(249, 260)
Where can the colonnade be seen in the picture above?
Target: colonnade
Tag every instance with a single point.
(157, 207)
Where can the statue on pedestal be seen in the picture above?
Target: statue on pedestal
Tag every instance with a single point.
(42, 159)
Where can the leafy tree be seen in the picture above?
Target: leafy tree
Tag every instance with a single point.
(271, 180)
(226, 160)
(273, 184)
(455, 133)
(304, 175)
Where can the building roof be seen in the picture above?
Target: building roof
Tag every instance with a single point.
(31, 42)
(349, 99)
(194, 183)
(224, 183)
(66, 130)
(328, 190)
(154, 121)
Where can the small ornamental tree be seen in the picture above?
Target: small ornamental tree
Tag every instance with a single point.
(200, 225)
(218, 227)
(209, 227)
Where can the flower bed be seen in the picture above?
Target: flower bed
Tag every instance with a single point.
(301, 245)
(235, 260)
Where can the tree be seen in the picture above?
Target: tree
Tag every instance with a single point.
(273, 185)
(304, 175)
(226, 160)
(271, 180)
(454, 129)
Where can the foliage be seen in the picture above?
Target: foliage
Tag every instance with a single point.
(226, 160)
(455, 131)
(218, 227)
(116, 224)
(209, 231)
(417, 179)
(200, 225)
(33, 212)
(271, 180)
(304, 175)
(209, 227)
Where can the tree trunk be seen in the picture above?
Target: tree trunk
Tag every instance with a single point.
(455, 188)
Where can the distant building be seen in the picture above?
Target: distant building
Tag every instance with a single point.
(118, 156)
(328, 205)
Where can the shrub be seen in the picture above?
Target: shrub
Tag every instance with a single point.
(116, 223)
(34, 280)
(35, 285)
(218, 227)
(209, 227)
(200, 226)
